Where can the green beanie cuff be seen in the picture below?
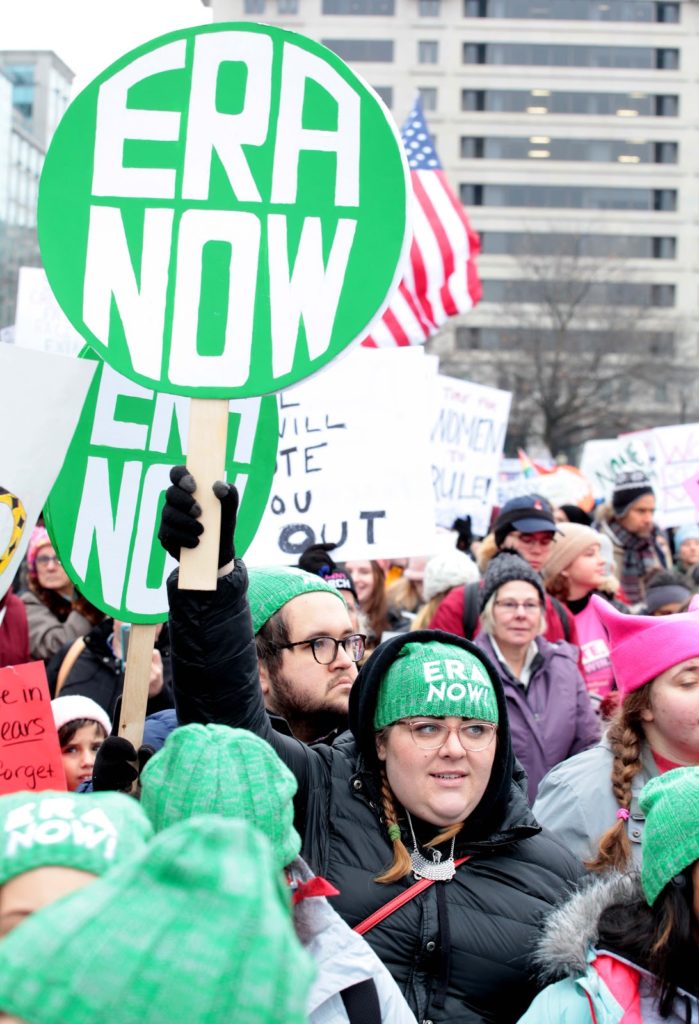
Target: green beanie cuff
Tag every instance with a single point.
(270, 588)
(437, 680)
(670, 840)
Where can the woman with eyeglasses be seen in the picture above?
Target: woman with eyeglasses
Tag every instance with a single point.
(56, 613)
(420, 800)
(551, 715)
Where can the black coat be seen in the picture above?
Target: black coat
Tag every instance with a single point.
(459, 951)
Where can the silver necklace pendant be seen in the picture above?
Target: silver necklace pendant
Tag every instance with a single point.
(436, 869)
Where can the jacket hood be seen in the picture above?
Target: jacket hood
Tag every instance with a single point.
(572, 928)
(492, 810)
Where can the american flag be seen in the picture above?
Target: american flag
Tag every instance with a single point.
(442, 278)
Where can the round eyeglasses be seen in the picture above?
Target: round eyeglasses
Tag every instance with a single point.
(47, 559)
(324, 648)
(429, 734)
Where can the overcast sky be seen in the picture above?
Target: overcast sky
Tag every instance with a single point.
(89, 34)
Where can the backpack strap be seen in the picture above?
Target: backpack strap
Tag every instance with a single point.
(398, 901)
(69, 659)
(470, 615)
(563, 615)
(362, 1002)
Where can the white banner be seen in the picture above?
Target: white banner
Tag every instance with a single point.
(353, 463)
(467, 438)
(601, 460)
(676, 459)
(40, 322)
(42, 399)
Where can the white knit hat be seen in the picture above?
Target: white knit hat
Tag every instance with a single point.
(447, 570)
(70, 709)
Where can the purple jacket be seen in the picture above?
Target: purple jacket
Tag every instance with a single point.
(553, 718)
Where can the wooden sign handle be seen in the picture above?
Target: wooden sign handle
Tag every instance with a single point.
(135, 697)
(206, 461)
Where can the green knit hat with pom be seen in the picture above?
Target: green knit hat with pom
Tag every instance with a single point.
(86, 831)
(212, 769)
(670, 841)
(195, 930)
(437, 680)
(270, 588)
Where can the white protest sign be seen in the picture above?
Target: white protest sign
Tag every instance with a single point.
(353, 464)
(601, 460)
(40, 322)
(467, 442)
(42, 399)
(676, 451)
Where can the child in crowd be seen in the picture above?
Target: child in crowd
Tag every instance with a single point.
(82, 727)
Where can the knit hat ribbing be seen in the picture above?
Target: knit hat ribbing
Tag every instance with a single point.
(39, 539)
(506, 567)
(643, 646)
(75, 707)
(194, 930)
(213, 769)
(571, 541)
(437, 680)
(629, 486)
(86, 831)
(271, 587)
(670, 840)
(690, 531)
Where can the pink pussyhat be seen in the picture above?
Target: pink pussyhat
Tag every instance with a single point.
(643, 646)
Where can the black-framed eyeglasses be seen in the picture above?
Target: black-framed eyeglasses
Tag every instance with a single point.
(324, 648)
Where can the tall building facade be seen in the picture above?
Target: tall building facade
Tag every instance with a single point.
(34, 92)
(569, 129)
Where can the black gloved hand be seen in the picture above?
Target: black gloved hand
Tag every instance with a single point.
(118, 764)
(179, 523)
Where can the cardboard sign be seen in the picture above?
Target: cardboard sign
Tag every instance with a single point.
(353, 465)
(601, 460)
(30, 757)
(41, 400)
(103, 512)
(221, 184)
(39, 321)
(467, 442)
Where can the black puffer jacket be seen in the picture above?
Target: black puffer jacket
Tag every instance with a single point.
(459, 951)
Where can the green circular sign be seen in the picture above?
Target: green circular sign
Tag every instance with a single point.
(103, 512)
(223, 211)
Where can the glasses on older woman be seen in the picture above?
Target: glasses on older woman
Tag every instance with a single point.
(510, 607)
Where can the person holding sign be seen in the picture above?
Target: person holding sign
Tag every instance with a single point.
(55, 611)
(424, 780)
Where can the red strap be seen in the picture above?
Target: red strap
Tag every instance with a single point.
(397, 902)
(315, 886)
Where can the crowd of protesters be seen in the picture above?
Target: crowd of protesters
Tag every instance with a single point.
(459, 787)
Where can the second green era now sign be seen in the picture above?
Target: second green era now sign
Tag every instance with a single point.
(223, 211)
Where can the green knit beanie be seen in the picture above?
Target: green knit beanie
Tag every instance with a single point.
(670, 840)
(211, 769)
(87, 831)
(437, 680)
(197, 929)
(270, 588)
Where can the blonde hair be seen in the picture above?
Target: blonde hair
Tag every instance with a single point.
(401, 865)
(427, 612)
(487, 550)
(625, 736)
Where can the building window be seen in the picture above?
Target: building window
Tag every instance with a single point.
(386, 94)
(569, 197)
(543, 147)
(566, 245)
(569, 55)
(574, 10)
(428, 95)
(376, 7)
(565, 293)
(427, 51)
(287, 6)
(545, 101)
(376, 50)
(254, 6)
(429, 8)
(526, 339)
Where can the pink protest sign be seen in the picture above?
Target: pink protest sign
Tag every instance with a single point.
(691, 486)
(30, 756)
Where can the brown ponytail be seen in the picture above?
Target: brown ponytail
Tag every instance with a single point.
(625, 735)
(402, 865)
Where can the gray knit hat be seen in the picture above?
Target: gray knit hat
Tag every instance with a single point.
(506, 567)
(629, 486)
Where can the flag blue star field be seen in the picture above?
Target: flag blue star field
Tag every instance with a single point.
(442, 279)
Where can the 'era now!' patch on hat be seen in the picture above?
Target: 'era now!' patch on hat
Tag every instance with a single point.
(436, 680)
